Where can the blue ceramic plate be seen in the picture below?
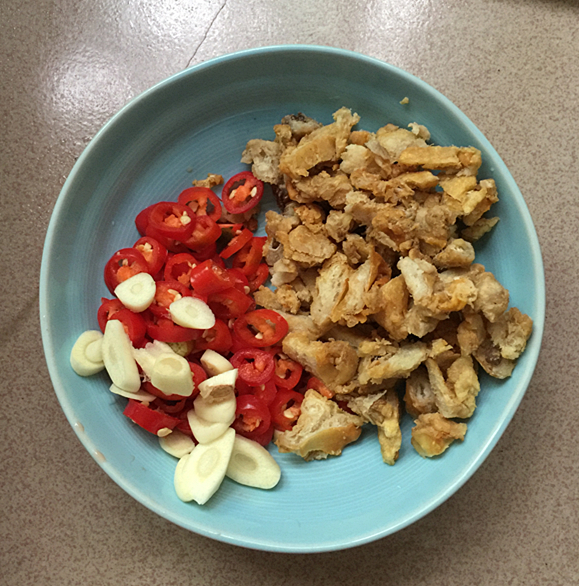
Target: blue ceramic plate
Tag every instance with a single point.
(199, 121)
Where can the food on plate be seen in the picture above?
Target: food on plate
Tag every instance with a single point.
(377, 305)
(182, 341)
(373, 267)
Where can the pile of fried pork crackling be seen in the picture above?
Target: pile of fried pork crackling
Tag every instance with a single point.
(372, 260)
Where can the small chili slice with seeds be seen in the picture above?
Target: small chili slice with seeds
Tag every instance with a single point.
(288, 372)
(179, 267)
(171, 220)
(202, 202)
(153, 251)
(260, 328)
(255, 367)
(242, 193)
(285, 409)
(123, 265)
(253, 418)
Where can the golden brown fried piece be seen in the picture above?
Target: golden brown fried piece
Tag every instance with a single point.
(477, 230)
(457, 253)
(383, 411)
(322, 429)
(212, 181)
(433, 434)
(394, 297)
(325, 144)
(399, 363)
(334, 362)
(454, 394)
(510, 333)
(322, 187)
(419, 397)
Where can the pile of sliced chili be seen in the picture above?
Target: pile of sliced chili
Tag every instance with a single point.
(188, 251)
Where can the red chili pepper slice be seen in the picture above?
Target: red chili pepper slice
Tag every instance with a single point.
(255, 367)
(316, 384)
(230, 303)
(202, 201)
(153, 252)
(261, 328)
(259, 277)
(249, 257)
(266, 392)
(239, 280)
(142, 219)
(124, 264)
(134, 324)
(107, 309)
(165, 330)
(252, 416)
(288, 372)
(147, 418)
(217, 338)
(205, 233)
(170, 244)
(237, 243)
(179, 267)
(199, 375)
(264, 438)
(285, 409)
(208, 278)
(171, 220)
(242, 193)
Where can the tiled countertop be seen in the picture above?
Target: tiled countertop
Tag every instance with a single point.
(67, 66)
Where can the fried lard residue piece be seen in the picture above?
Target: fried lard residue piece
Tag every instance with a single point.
(372, 262)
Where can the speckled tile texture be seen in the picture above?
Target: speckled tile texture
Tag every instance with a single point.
(67, 66)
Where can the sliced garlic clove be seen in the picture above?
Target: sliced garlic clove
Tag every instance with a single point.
(86, 355)
(205, 431)
(137, 292)
(251, 464)
(218, 387)
(138, 396)
(172, 375)
(190, 312)
(214, 363)
(118, 357)
(221, 412)
(177, 444)
(199, 474)
(147, 356)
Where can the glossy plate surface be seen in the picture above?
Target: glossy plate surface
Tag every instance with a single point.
(197, 122)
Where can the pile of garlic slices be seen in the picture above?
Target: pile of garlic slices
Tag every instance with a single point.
(219, 451)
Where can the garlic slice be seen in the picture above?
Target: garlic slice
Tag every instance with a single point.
(205, 431)
(221, 412)
(137, 292)
(172, 375)
(251, 464)
(214, 363)
(118, 357)
(86, 354)
(199, 474)
(190, 312)
(177, 444)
